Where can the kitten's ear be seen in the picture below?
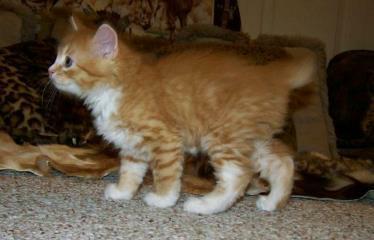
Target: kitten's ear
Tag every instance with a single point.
(105, 42)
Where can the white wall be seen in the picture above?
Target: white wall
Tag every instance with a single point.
(341, 24)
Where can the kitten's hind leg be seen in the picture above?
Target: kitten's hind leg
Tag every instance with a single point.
(279, 172)
(167, 170)
(232, 176)
(132, 172)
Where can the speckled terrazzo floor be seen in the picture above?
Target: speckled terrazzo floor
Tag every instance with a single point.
(71, 208)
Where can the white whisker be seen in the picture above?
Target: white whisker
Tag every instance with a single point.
(51, 98)
(45, 87)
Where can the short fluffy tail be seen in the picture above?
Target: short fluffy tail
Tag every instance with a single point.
(305, 67)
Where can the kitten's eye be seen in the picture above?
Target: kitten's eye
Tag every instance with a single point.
(68, 62)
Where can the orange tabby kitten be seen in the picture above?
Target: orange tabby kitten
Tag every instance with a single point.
(202, 99)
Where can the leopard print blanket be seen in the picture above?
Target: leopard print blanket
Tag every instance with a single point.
(31, 109)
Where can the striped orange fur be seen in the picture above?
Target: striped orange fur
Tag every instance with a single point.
(206, 99)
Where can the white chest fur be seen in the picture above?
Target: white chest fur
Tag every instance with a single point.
(104, 103)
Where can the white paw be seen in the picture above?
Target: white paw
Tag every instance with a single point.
(152, 199)
(266, 204)
(195, 205)
(203, 206)
(112, 192)
(206, 205)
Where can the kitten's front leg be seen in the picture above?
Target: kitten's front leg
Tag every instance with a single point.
(132, 172)
(167, 171)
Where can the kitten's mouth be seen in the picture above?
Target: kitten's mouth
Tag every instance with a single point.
(55, 82)
(67, 86)
(58, 83)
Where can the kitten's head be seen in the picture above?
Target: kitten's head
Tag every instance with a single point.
(85, 59)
